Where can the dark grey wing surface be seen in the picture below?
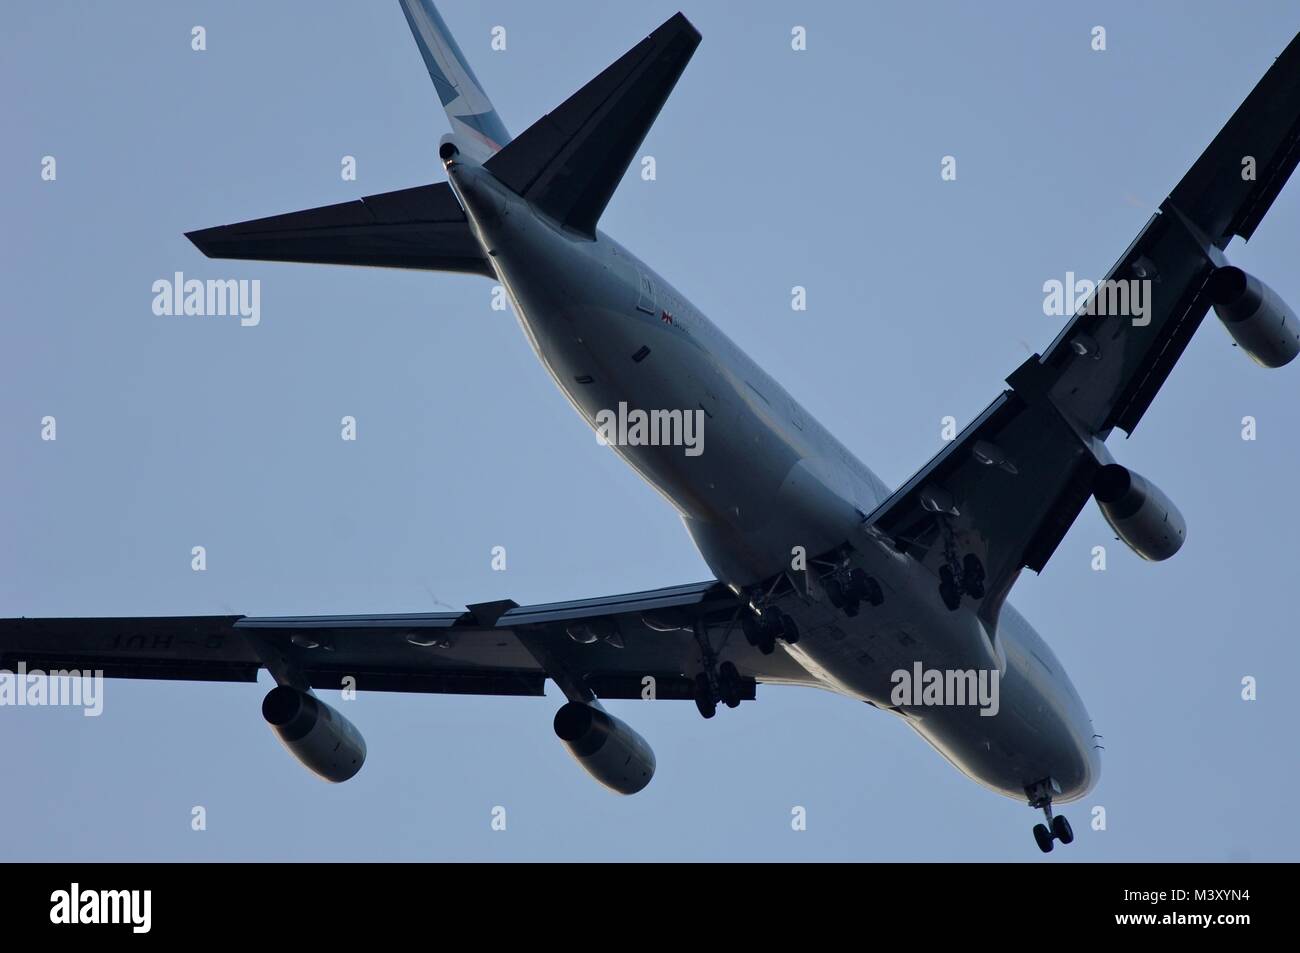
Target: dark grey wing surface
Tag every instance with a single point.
(1009, 487)
(422, 228)
(1219, 197)
(498, 648)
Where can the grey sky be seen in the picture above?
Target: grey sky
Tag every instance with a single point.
(775, 169)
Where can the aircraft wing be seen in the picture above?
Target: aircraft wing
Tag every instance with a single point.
(604, 646)
(1009, 487)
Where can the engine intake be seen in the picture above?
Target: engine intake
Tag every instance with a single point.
(1259, 321)
(1141, 515)
(317, 735)
(608, 750)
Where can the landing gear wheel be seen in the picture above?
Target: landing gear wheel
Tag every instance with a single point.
(847, 591)
(789, 631)
(972, 576)
(729, 684)
(704, 700)
(834, 592)
(949, 591)
(762, 631)
(867, 588)
(1061, 830)
(1044, 837)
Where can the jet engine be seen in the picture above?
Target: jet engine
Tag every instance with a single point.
(318, 736)
(1139, 513)
(606, 747)
(1259, 321)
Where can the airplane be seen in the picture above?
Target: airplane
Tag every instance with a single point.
(824, 576)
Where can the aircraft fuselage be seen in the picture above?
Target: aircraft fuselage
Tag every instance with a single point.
(767, 478)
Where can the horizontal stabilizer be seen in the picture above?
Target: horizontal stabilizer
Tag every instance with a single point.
(568, 163)
(422, 228)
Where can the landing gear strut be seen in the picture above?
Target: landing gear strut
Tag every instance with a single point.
(1056, 828)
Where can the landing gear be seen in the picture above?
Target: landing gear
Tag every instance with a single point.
(1061, 829)
(789, 631)
(730, 688)
(959, 575)
(707, 702)
(972, 576)
(1043, 836)
(848, 590)
(718, 682)
(949, 591)
(762, 631)
(1056, 828)
(959, 579)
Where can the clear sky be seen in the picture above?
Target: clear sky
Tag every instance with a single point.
(775, 168)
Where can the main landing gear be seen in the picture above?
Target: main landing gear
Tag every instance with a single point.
(721, 681)
(957, 579)
(1056, 828)
(762, 631)
(722, 685)
(847, 590)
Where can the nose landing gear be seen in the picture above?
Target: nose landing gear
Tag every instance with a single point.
(1056, 828)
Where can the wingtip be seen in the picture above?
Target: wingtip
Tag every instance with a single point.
(679, 21)
(198, 238)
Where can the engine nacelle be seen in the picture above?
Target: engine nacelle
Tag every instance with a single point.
(1139, 513)
(1259, 321)
(318, 736)
(606, 747)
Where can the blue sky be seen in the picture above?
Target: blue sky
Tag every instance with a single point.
(775, 169)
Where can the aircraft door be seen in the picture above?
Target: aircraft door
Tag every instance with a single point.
(646, 294)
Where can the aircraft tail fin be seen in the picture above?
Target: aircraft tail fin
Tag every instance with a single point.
(473, 117)
(569, 162)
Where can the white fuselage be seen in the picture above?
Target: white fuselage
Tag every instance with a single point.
(770, 478)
